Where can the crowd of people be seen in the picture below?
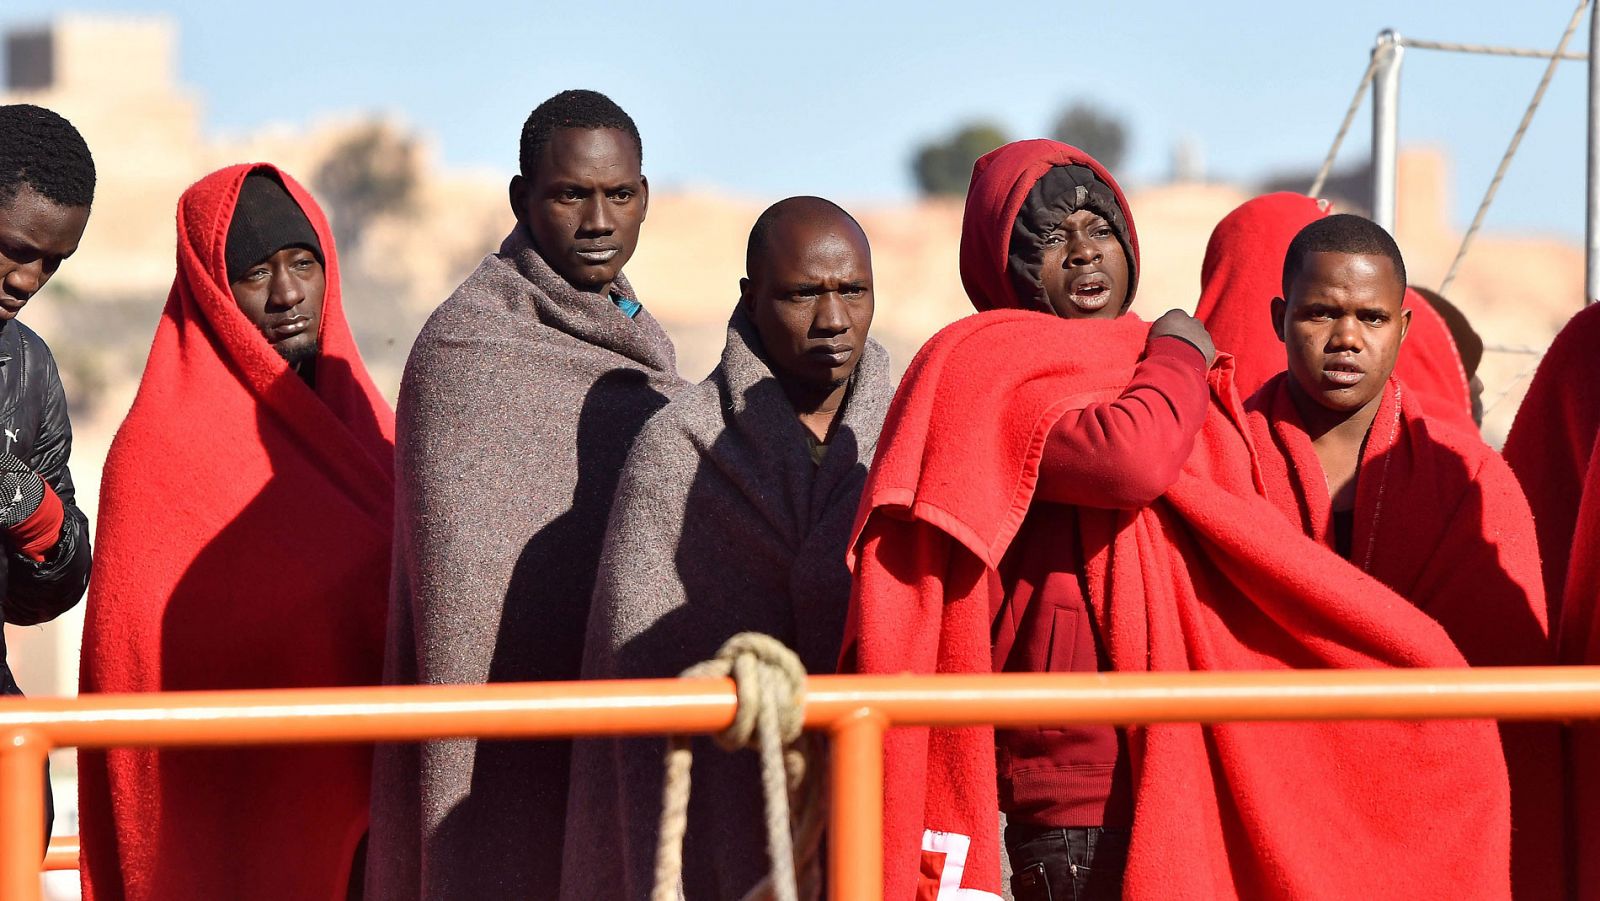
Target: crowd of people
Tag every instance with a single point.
(1291, 479)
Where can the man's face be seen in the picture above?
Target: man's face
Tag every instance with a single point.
(36, 235)
(811, 300)
(1085, 270)
(584, 204)
(1342, 325)
(282, 296)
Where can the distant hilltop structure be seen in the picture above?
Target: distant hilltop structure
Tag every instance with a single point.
(116, 78)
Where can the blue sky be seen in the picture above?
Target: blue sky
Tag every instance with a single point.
(832, 97)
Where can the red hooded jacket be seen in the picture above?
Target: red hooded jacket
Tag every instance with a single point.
(1243, 272)
(243, 542)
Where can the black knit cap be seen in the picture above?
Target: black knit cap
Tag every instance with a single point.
(1060, 192)
(265, 221)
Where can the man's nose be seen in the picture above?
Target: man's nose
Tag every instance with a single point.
(831, 318)
(597, 218)
(1346, 334)
(287, 291)
(1082, 251)
(25, 280)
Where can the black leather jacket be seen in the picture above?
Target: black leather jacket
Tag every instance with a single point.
(34, 427)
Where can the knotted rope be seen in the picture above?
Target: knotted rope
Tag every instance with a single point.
(770, 683)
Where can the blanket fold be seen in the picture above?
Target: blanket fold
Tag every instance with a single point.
(722, 524)
(519, 402)
(1201, 580)
(243, 541)
(1440, 519)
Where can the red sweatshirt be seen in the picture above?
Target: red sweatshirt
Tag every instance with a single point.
(1118, 455)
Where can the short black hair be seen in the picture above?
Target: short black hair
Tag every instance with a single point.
(40, 149)
(1340, 233)
(572, 109)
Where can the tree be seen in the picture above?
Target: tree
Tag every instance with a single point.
(944, 167)
(1094, 131)
(369, 174)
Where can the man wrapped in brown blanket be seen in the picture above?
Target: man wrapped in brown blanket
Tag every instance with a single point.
(520, 400)
(732, 515)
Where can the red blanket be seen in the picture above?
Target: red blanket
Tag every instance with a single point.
(1552, 450)
(1201, 580)
(1243, 271)
(243, 542)
(1441, 520)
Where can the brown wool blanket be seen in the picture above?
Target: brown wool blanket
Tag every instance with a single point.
(520, 400)
(722, 524)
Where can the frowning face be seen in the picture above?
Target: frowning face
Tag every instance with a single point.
(1342, 326)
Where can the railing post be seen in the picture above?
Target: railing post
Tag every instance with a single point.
(1591, 281)
(22, 761)
(855, 848)
(1386, 127)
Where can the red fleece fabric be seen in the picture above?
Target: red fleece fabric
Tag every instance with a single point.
(1201, 580)
(243, 542)
(1552, 449)
(1243, 272)
(1440, 519)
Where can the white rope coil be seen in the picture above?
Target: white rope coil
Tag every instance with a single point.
(770, 682)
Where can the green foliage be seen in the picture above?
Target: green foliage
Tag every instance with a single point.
(370, 174)
(1094, 131)
(944, 167)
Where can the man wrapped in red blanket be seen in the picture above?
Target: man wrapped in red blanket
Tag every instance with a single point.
(1351, 455)
(243, 542)
(1552, 449)
(973, 553)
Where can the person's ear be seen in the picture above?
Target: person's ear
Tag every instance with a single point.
(1280, 309)
(1405, 323)
(515, 192)
(747, 297)
(644, 197)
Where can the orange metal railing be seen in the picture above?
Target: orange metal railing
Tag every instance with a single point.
(854, 710)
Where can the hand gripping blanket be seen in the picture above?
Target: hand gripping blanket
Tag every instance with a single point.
(1243, 271)
(1201, 580)
(1552, 448)
(243, 542)
(519, 403)
(722, 524)
(1440, 519)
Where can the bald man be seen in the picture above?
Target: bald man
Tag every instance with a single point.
(732, 515)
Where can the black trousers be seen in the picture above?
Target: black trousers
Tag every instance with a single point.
(1084, 864)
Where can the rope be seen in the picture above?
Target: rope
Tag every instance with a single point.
(1511, 151)
(1490, 50)
(1344, 128)
(770, 683)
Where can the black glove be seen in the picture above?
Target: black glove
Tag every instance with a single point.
(21, 491)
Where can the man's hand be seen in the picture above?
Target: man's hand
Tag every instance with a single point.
(21, 491)
(1178, 324)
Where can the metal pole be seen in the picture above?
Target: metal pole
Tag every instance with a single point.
(855, 848)
(22, 756)
(1389, 52)
(1591, 280)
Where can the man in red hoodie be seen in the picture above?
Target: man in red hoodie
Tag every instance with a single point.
(1072, 251)
(1350, 455)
